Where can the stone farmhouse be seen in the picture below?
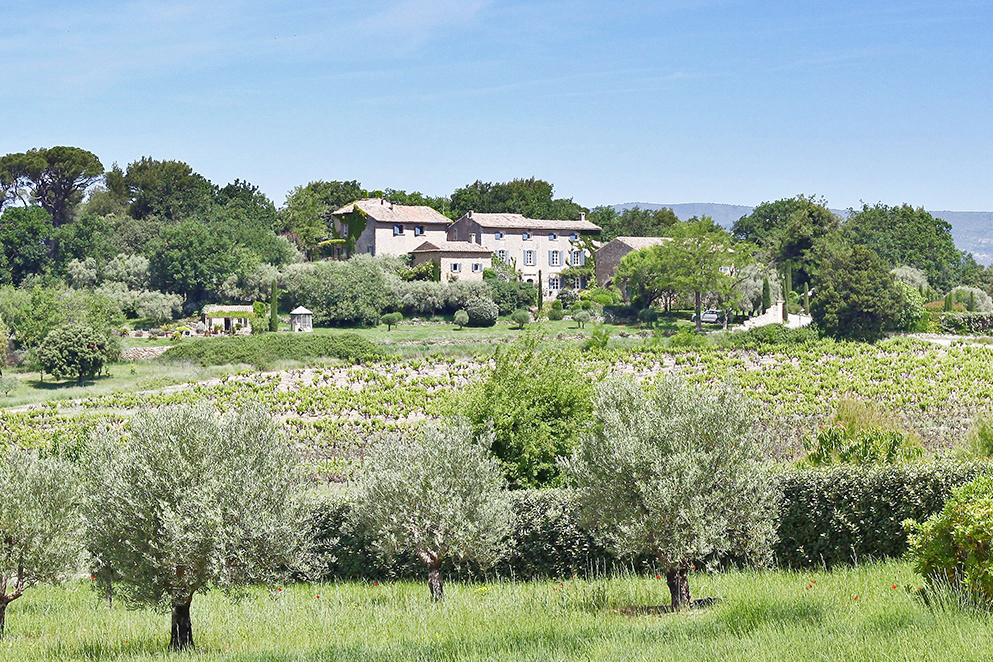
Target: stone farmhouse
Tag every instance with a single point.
(534, 246)
(379, 227)
(608, 256)
(458, 260)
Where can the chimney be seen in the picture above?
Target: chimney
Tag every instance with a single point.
(582, 215)
(469, 214)
(382, 202)
(391, 206)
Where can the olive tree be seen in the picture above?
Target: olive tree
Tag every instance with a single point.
(673, 471)
(74, 350)
(439, 496)
(39, 524)
(193, 499)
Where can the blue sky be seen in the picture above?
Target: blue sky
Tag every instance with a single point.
(686, 101)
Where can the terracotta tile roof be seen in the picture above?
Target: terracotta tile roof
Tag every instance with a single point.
(638, 243)
(451, 247)
(387, 212)
(521, 222)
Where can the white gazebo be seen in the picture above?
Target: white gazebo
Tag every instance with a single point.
(301, 319)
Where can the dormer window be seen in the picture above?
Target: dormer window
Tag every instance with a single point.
(397, 230)
(526, 236)
(574, 236)
(552, 236)
(418, 230)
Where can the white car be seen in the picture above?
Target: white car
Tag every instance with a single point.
(712, 316)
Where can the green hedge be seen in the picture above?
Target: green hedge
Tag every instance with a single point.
(963, 323)
(262, 350)
(850, 514)
(827, 517)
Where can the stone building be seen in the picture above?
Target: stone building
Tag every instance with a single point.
(375, 226)
(532, 245)
(457, 260)
(608, 256)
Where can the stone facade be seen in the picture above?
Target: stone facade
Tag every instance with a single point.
(459, 260)
(608, 256)
(391, 229)
(531, 245)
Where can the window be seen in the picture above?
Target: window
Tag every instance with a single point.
(577, 258)
(574, 236)
(552, 236)
(456, 266)
(418, 230)
(529, 258)
(372, 250)
(344, 230)
(526, 236)
(498, 235)
(397, 230)
(502, 254)
(477, 267)
(554, 283)
(555, 259)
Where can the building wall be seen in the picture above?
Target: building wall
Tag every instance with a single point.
(608, 258)
(465, 262)
(515, 246)
(378, 239)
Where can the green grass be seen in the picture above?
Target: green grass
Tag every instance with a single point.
(759, 616)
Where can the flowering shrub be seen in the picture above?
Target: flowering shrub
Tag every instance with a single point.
(953, 547)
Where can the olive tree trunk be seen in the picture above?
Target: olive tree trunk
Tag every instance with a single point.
(697, 303)
(3, 615)
(679, 587)
(435, 581)
(182, 627)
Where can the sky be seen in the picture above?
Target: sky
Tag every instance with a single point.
(725, 101)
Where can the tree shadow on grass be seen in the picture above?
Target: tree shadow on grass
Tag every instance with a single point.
(69, 383)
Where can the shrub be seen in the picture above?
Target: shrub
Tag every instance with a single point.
(859, 434)
(688, 338)
(482, 312)
(512, 295)
(158, 307)
(520, 317)
(261, 351)
(966, 323)
(912, 310)
(599, 338)
(974, 299)
(556, 314)
(979, 441)
(391, 320)
(648, 316)
(567, 296)
(844, 515)
(953, 547)
(461, 318)
(537, 400)
(581, 318)
(775, 335)
(75, 350)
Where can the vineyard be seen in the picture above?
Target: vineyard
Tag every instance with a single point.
(333, 413)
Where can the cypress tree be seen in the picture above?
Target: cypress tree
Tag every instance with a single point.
(273, 314)
(766, 294)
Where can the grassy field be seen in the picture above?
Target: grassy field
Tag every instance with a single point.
(758, 616)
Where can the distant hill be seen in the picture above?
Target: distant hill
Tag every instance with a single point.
(972, 231)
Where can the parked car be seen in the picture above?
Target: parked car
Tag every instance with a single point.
(712, 316)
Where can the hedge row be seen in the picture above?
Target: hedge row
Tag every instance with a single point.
(827, 517)
(966, 323)
(262, 350)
